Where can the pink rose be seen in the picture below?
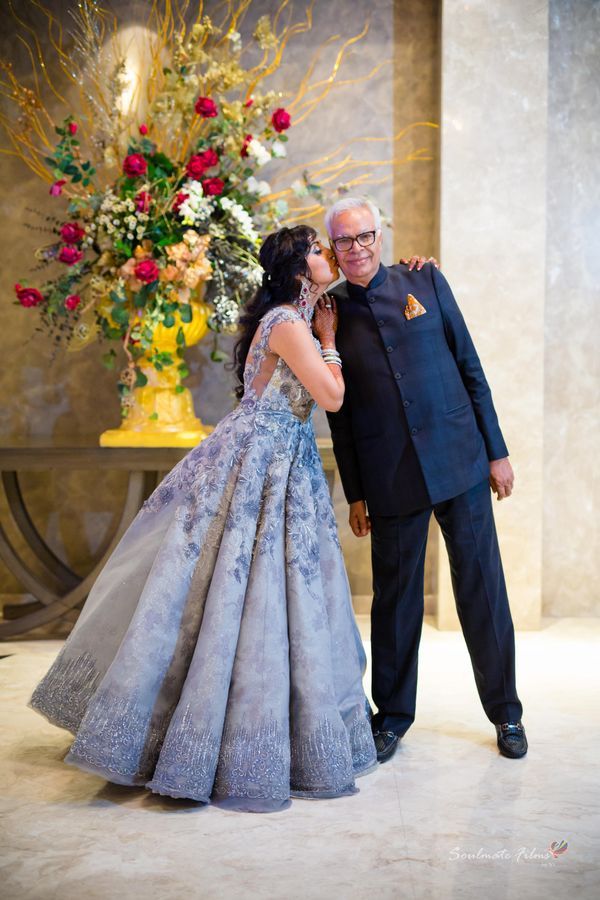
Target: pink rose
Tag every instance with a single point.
(143, 129)
(56, 188)
(28, 296)
(72, 233)
(135, 165)
(72, 301)
(73, 127)
(206, 108)
(70, 255)
(244, 150)
(143, 201)
(281, 119)
(180, 198)
(146, 271)
(213, 186)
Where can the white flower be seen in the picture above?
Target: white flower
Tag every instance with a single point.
(258, 187)
(196, 207)
(241, 217)
(278, 149)
(260, 153)
(299, 188)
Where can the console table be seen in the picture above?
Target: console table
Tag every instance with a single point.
(60, 592)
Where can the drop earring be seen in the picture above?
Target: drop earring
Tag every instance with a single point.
(303, 303)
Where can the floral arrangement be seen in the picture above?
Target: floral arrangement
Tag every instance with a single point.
(138, 248)
(164, 203)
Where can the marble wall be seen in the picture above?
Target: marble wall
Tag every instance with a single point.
(520, 207)
(492, 245)
(571, 535)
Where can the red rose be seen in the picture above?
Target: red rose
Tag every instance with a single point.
(281, 119)
(70, 255)
(180, 198)
(206, 108)
(135, 165)
(146, 271)
(56, 188)
(72, 301)
(143, 201)
(28, 296)
(213, 186)
(244, 150)
(195, 167)
(72, 233)
(73, 127)
(249, 102)
(143, 129)
(210, 158)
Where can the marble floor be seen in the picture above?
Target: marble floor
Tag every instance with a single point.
(446, 818)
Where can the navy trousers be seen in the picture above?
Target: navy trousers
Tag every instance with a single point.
(398, 554)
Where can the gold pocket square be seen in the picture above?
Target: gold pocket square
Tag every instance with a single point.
(413, 308)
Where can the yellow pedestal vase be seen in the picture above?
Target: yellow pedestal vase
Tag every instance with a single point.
(162, 413)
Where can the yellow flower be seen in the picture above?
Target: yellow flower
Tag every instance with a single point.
(110, 157)
(263, 34)
(233, 111)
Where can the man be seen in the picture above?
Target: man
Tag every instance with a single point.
(417, 434)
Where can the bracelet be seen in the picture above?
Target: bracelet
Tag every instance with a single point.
(331, 357)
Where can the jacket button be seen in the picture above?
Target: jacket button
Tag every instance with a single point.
(414, 430)
(406, 403)
(381, 323)
(397, 375)
(390, 349)
(371, 299)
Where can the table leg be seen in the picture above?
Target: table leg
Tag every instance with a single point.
(59, 605)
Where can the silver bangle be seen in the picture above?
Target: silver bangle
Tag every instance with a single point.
(331, 358)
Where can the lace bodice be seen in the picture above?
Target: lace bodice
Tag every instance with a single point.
(269, 383)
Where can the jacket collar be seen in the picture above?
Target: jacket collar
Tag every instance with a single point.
(358, 292)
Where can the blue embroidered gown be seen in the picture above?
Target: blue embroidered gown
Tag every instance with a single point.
(217, 657)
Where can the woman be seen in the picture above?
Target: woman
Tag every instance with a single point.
(217, 656)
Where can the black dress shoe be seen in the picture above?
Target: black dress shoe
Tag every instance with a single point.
(512, 741)
(385, 744)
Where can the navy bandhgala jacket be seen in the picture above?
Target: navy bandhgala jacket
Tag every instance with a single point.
(418, 425)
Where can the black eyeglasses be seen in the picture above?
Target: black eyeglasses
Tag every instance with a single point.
(364, 239)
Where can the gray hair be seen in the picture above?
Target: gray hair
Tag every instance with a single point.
(345, 203)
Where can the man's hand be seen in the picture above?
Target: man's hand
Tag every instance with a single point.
(419, 262)
(502, 477)
(359, 521)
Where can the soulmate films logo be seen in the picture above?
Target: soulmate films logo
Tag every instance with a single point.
(522, 854)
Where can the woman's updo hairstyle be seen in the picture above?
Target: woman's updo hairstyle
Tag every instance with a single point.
(283, 257)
